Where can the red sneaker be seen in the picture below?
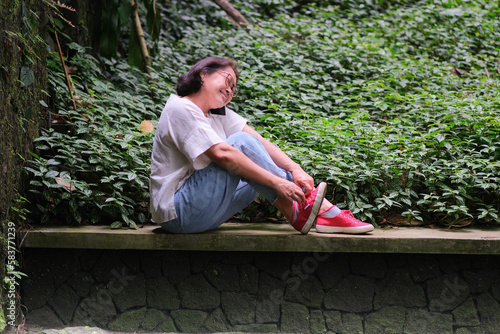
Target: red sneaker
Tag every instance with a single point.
(344, 222)
(309, 209)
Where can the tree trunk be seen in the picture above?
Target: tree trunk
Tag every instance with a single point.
(21, 111)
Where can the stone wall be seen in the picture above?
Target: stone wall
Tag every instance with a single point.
(168, 291)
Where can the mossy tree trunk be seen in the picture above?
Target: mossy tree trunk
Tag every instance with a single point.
(21, 112)
(24, 97)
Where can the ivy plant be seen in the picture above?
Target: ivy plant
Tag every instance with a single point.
(394, 104)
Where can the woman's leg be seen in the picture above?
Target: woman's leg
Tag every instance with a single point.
(213, 195)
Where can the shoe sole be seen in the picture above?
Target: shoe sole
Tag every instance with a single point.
(320, 195)
(350, 230)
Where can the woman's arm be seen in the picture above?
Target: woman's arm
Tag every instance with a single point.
(235, 161)
(300, 177)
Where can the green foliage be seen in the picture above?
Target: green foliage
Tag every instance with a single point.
(94, 166)
(364, 94)
(116, 26)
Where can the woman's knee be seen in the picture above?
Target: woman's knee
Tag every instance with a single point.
(240, 139)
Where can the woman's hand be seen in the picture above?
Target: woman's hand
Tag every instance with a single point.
(289, 190)
(302, 179)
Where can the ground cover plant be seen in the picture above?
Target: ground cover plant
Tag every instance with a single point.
(395, 104)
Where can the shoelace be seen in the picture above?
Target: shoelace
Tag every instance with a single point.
(309, 201)
(348, 214)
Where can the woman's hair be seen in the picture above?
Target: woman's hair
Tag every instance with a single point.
(190, 82)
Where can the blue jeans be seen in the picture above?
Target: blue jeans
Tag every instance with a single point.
(214, 194)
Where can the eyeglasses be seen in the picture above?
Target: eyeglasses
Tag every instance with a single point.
(230, 82)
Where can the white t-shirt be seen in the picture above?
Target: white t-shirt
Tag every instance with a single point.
(182, 136)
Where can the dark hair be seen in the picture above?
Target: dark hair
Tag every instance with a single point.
(190, 82)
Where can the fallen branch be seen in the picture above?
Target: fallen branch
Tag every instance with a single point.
(231, 11)
(61, 57)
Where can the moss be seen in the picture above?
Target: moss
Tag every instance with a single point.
(3, 322)
(21, 114)
(17, 132)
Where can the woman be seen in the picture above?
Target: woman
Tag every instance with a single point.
(208, 164)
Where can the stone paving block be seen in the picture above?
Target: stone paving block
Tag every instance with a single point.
(389, 320)
(495, 290)
(353, 294)
(295, 318)
(317, 323)
(270, 297)
(44, 317)
(64, 302)
(333, 321)
(128, 291)
(129, 321)
(99, 305)
(308, 292)
(333, 270)
(82, 318)
(480, 280)
(166, 326)
(398, 289)
(161, 294)
(81, 282)
(239, 307)
(420, 321)
(153, 319)
(446, 292)
(37, 289)
(489, 313)
(216, 322)
(197, 294)
(223, 277)
(352, 323)
(190, 321)
(466, 314)
(249, 278)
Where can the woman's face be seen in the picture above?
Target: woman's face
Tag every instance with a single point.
(218, 87)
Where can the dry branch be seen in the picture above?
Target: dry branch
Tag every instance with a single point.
(61, 57)
(231, 11)
(140, 36)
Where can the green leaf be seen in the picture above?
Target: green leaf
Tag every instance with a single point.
(124, 12)
(452, 12)
(116, 225)
(134, 52)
